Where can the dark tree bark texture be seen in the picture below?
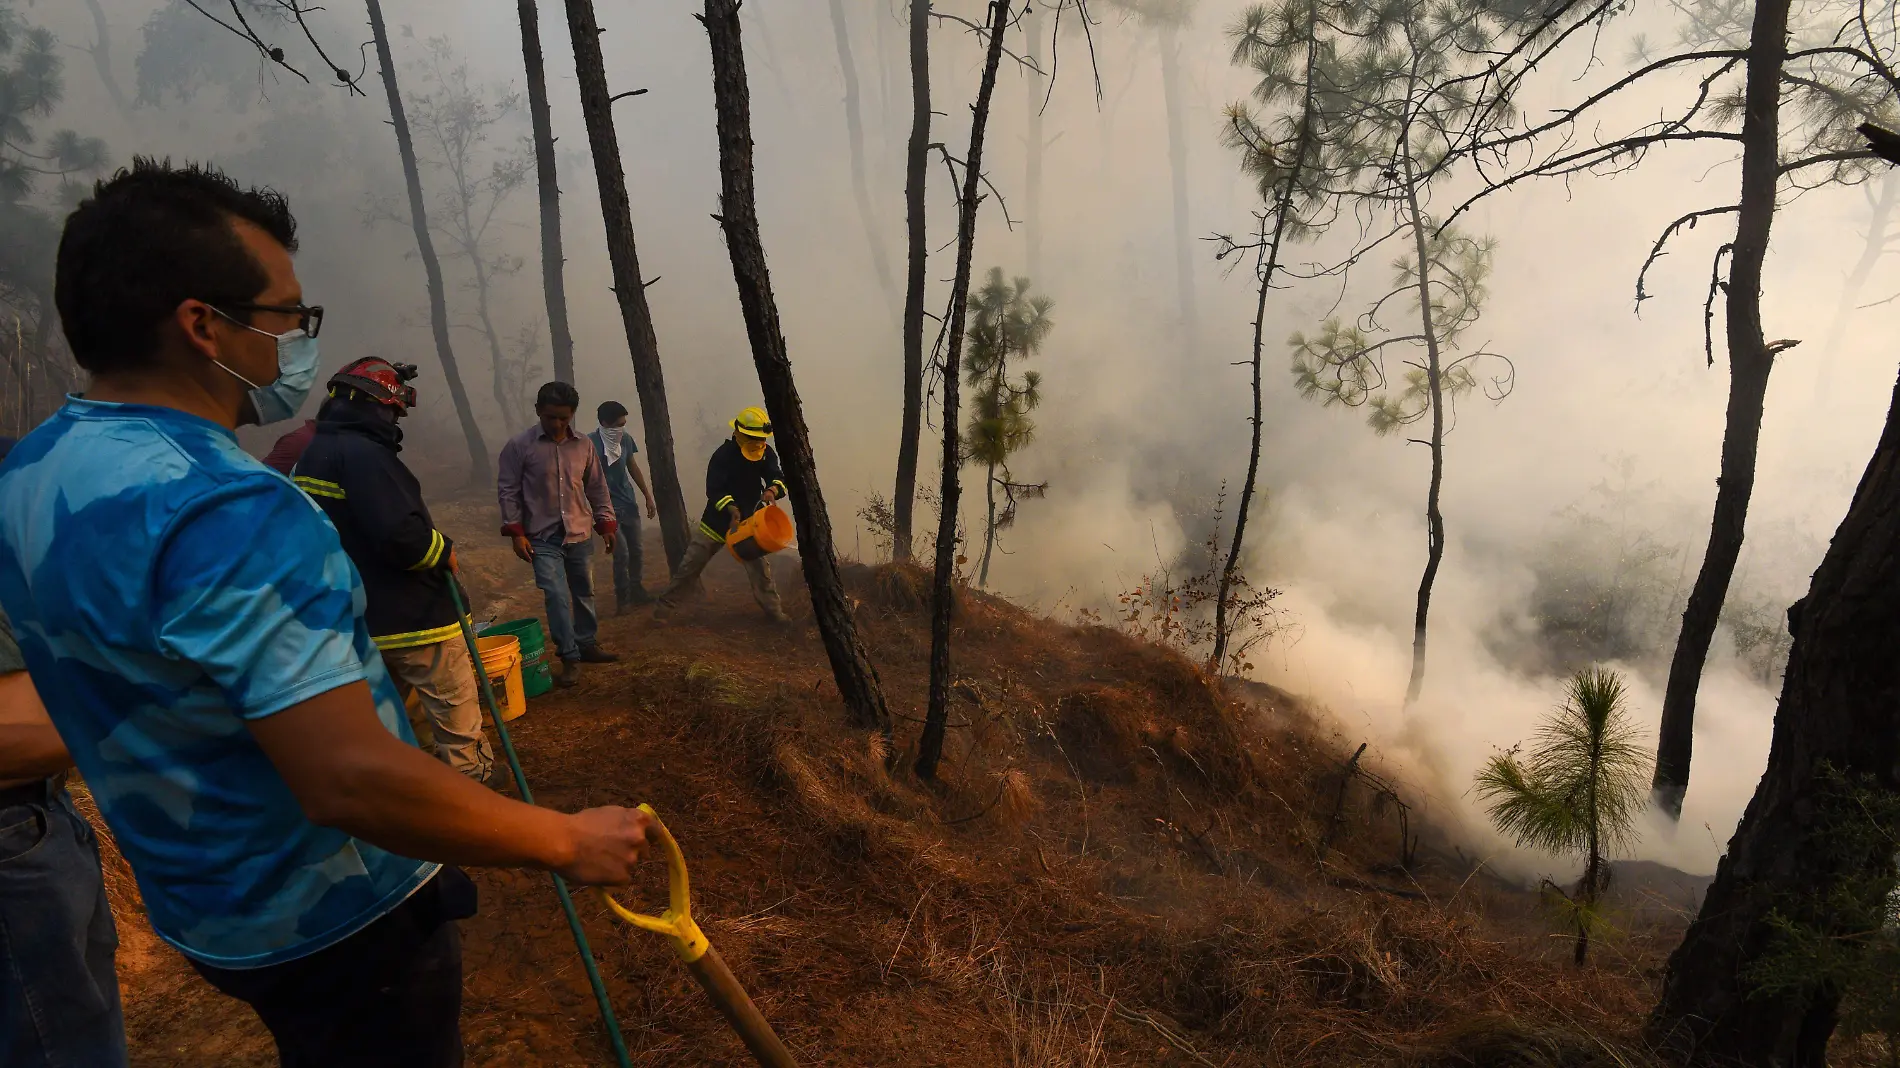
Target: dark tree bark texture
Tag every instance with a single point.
(547, 182)
(1749, 363)
(590, 69)
(942, 588)
(916, 174)
(1840, 707)
(850, 663)
(478, 463)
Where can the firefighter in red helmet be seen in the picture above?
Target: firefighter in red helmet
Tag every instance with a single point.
(353, 473)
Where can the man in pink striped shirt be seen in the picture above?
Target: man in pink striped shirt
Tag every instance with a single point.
(551, 486)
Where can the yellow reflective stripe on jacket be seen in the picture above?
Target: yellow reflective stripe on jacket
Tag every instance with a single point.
(783, 489)
(711, 533)
(433, 556)
(317, 487)
(721, 503)
(411, 639)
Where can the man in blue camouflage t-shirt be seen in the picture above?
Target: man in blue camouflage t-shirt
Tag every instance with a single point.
(197, 635)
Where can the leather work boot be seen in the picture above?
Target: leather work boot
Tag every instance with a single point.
(594, 654)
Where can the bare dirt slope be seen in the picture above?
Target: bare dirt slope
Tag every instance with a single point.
(1120, 868)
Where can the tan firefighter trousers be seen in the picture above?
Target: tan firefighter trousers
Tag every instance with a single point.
(700, 553)
(445, 684)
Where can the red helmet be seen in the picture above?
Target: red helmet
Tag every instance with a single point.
(380, 381)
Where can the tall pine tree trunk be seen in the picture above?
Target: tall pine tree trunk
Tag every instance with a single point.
(102, 57)
(989, 529)
(547, 183)
(854, 132)
(498, 364)
(1282, 212)
(942, 588)
(1871, 252)
(1178, 173)
(478, 463)
(1749, 361)
(916, 173)
(850, 663)
(1034, 89)
(1434, 519)
(590, 69)
(1839, 709)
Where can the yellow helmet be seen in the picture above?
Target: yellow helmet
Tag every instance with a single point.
(753, 423)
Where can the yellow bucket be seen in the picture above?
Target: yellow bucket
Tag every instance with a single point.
(501, 662)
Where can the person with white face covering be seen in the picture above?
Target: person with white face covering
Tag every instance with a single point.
(196, 634)
(616, 448)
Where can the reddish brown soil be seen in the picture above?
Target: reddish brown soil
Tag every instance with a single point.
(1118, 868)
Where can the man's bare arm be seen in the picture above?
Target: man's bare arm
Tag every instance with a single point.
(29, 746)
(350, 773)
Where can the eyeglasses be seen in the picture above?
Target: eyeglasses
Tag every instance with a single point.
(309, 316)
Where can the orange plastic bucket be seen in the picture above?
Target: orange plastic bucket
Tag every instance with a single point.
(764, 532)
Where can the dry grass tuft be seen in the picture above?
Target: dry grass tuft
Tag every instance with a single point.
(1018, 800)
(902, 588)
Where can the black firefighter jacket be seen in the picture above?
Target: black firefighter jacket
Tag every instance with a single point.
(351, 470)
(731, 479)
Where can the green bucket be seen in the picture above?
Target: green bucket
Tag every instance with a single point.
(536, 677)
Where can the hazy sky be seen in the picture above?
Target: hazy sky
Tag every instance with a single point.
(1135, 436)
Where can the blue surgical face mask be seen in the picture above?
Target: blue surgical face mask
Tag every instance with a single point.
(296, 375)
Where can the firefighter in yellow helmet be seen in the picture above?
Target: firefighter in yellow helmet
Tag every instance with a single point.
(742, 477)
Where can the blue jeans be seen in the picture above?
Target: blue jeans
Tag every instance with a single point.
(627, 556)
(566, 576)
(59, 994)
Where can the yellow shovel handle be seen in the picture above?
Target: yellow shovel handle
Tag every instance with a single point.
(676, 923)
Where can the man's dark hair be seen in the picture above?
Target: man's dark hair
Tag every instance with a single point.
(148, 239)
(558, 395)
(610, 411)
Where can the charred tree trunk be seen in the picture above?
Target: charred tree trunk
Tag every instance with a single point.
(1177, 169)
(1282, 212)
(478, 467)
(916, 174)
(1870, 255)
(854, 131)
(942, 587)
(989, 529)
(850, 664)
(590, 69)
(1749, 361)
(1838, 709)
(1034, 89)
(102, 57)
(547, 182)
(1434, 519)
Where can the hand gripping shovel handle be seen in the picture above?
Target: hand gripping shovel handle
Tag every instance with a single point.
(676, 923)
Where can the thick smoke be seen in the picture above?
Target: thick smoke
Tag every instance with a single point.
(1587, 491)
